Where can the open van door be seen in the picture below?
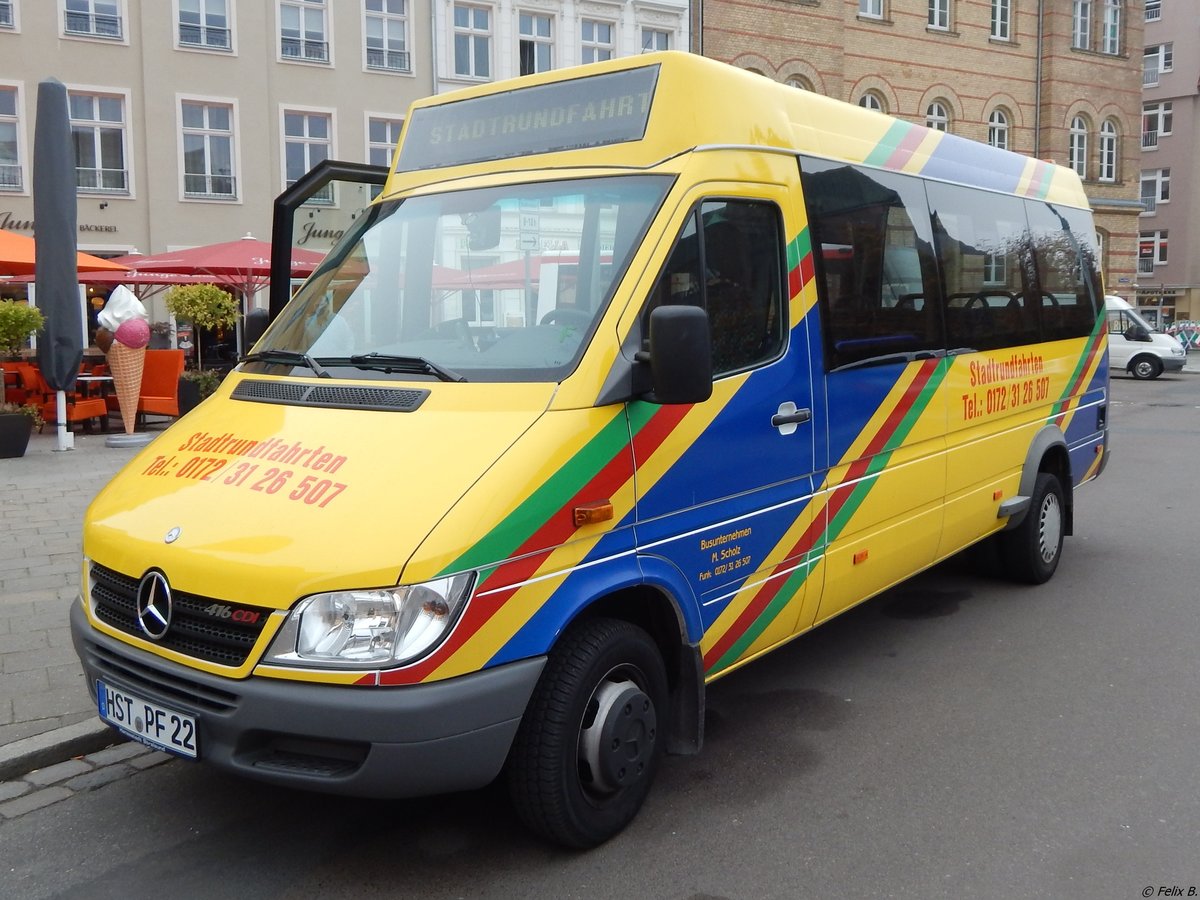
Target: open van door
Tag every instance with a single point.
(313, 214)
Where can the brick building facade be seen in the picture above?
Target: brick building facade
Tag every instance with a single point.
(1056, 79)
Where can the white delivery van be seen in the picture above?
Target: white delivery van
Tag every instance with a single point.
(1134, 345)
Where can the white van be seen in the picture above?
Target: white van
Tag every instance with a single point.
(1134, 345)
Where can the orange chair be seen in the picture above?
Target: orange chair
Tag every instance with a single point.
(159, 395)
(20, 389)
(80, 408)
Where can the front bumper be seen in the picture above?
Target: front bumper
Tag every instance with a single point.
(1173, 363)
(364, 741)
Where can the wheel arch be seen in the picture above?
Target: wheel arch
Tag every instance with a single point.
(673, 623)
(1047, 453)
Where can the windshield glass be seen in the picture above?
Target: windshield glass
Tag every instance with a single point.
(492, 284)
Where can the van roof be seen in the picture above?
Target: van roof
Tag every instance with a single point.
(642, 110)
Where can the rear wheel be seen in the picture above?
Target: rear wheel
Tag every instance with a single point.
(588, 748)
(1031, 551)
(1146, 367)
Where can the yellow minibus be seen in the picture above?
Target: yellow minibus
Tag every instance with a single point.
(632, 373)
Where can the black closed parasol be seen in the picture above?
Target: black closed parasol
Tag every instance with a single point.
(60, 347)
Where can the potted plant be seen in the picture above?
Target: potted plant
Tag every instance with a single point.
(195, 385)
(16, 425)
(205, 306)
(18, 320)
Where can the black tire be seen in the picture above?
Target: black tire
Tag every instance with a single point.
(1031, 551)
(588, 748)
(1146, 368)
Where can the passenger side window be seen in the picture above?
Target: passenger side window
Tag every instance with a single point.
(728, 259)
(876, 272)
(986, 272)
(1064, 246)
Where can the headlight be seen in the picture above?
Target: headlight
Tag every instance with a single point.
(370, 628)
(1178, 351)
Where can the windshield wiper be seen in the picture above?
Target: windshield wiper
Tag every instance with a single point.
(286, 357)
(387, 362)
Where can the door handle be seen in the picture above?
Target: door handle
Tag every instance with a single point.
(788, 417)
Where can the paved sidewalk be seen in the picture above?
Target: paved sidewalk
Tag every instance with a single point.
(46, 714)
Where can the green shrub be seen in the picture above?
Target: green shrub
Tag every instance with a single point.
(17, 322)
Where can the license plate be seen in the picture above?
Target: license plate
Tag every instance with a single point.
(151, 724)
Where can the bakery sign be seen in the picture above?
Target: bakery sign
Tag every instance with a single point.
(11, 222)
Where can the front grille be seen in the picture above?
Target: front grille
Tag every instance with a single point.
(295, 393)
(198, 628)
(148, 680)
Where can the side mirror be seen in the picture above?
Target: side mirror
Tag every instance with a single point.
(680, 355)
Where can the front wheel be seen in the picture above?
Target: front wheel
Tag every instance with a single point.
(588, 747)
(1146, 368)
(1031, 550)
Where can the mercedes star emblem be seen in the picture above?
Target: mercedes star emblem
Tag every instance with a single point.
(154, 605)
(171, 536)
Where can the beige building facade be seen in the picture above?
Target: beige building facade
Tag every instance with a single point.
(191, 116)
(1055, 79)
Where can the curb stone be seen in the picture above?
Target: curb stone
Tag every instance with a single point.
(58, 745)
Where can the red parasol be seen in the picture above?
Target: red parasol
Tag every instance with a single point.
(244, 265)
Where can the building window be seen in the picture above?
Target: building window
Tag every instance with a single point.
(871, 100)
(1077, 146)
(1081, 28)
(1110, 40)
(204, 23)
(1152, 251)
(386, 28)
(1156, 188)
(800, 84)
(1156, 60)
(302, 31)
(937, 117)
(1153, 10)
(98, 132)
(208, 150)
(6, 14)
(1108, 151)
(939, 14)
(95, 18)
(10, 156)
(472, 41)
(595, 41)
(1002, 20)
(655, 39)
(1156, 122)
(998, 129)
(307, 140)
(536, 44)
(383, 136)
(871, 8)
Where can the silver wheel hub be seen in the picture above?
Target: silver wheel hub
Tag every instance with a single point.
(1049, 528)
(618, 736)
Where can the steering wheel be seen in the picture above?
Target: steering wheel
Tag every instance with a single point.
(567, 315)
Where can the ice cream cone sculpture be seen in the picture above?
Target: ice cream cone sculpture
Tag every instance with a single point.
(126, 364)
(123, 321)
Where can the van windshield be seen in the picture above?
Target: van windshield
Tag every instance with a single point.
(494, 284)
